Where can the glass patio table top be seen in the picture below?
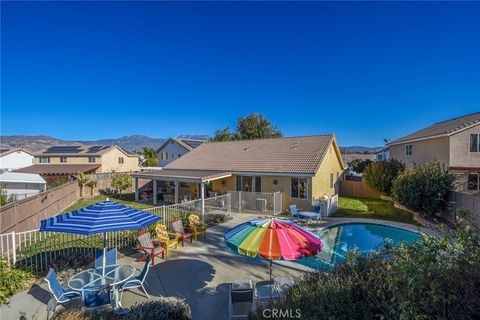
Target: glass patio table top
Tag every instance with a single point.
(114, 274)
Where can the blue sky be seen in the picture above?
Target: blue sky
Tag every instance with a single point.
(364, 71)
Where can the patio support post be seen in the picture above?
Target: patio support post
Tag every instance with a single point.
(202, 193)
(176, 191)
(154, 195)
(136, 189)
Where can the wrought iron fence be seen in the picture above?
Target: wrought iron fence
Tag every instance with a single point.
(39, 250)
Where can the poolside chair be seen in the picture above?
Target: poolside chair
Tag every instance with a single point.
(240, 299)
(96, 297)
(282, 284)
(111, 257)
(137, 282)
(59, 293)
(149, 248)
(304, 215)
(179, 229)
(200, 229)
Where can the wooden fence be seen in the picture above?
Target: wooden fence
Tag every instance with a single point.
(468, 202)
(26, 214)
(350, 188)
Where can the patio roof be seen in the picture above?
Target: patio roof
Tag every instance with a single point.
(181, 175)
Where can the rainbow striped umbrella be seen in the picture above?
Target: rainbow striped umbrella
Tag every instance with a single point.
(272, 239)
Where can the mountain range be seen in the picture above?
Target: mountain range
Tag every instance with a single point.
(133, 143)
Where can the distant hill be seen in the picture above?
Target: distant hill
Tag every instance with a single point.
(360, 149)
(35, 143)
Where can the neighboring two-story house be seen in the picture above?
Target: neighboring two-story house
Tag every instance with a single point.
(174, 148)
(61, 162)
(455, 142)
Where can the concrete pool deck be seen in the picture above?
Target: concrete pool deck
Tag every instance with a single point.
(200, 273)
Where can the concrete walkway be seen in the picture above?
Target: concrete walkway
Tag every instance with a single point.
(200, 273)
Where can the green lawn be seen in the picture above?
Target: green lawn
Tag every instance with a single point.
(126, 199)
(372, 209)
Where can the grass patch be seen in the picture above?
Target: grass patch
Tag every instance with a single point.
(127, 199)
(372, 209)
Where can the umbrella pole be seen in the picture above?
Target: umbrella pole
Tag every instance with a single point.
(104, 258)
(271, 284)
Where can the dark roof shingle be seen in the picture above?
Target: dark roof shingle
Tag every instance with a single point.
(441, 128)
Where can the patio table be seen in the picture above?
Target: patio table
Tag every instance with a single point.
(114, 276)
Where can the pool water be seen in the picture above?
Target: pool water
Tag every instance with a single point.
(337, 240)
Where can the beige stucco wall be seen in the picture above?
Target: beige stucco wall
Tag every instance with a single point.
(423, 151)
(224, 185)
(321, 181)
(110, 163)
(460, 155)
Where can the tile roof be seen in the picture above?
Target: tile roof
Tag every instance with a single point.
(302, 155)
(59, 168)
(7, 151)
(443, 128)
(188, 144)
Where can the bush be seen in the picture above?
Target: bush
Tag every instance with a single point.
(121, 182)
(380, 175)
(434, 278)
(12, 280)
(150, 310)
(419, 187)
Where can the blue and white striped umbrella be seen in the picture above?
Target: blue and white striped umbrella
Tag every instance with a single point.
(102, 217)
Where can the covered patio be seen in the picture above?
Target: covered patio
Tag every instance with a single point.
(199, 179)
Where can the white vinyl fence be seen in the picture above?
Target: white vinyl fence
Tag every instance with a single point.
(256, 202)
(40, 250)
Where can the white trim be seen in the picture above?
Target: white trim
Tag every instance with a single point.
(272, 174)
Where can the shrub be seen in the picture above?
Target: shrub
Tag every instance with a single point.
(434, 278)
(380, 175)
(150, 310)
(419, 187)
(121, 182)
(12, 280)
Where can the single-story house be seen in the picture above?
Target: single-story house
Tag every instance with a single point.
(22, 185)
(301, 168)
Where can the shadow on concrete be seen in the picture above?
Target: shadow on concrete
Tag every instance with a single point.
(39, 293)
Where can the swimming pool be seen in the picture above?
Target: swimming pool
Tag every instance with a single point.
(364, 237)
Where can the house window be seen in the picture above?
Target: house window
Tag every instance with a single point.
(63, 159)
(331, 180)
(248, 183)
(473, 181)
(91, 159)
(173, 156)
(164, 155)
(298, 188)
(44, 159)
(475, 142)
(179, 155)
(120, 160)
(408, 150)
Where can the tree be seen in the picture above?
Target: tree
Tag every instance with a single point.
(149, 157)
(253, 126)
(223, 135)
(422, 188)
(256, 126)
(82, 181)
(121, 182)
(3, 197)
(380, 175)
